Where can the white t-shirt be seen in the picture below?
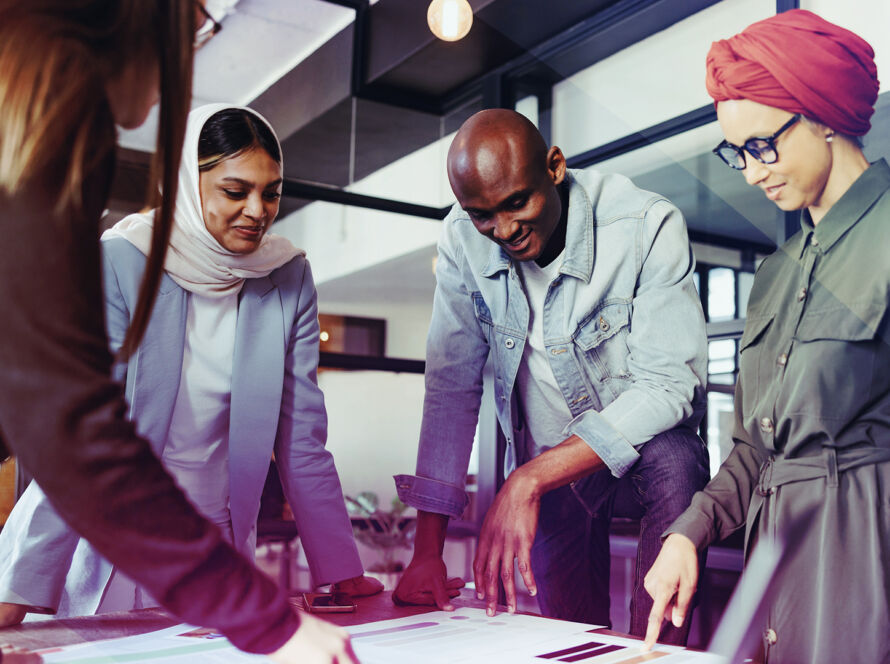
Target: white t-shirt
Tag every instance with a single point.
(544, 408)
(196, 452)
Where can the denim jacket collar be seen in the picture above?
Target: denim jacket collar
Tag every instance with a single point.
(580, 238)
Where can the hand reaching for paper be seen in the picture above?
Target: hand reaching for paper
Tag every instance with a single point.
(508, 533)
(671, 583)
(315, 642)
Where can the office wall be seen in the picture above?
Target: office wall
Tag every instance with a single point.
(868, 18)
(651, 81)
(374, 424)
(406, 324)
(662, 76)
(341, 240)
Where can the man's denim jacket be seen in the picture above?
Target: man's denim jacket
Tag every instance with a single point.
(623, 328)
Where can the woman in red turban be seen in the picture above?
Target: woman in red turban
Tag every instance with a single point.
(810, 465)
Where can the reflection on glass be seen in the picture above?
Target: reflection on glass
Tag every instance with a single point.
(746, 280)
(721, 356)
(720, 423)
(721, 294)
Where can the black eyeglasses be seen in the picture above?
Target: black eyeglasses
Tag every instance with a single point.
(762, 149)
(208, 27)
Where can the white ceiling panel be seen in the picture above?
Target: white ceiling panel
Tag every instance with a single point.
(261, 40)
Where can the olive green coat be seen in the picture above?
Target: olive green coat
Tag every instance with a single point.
(812, 430)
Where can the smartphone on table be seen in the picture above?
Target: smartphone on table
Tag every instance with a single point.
(328, 603)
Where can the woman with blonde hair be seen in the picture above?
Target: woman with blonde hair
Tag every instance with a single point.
(810, 464)
(69, 71)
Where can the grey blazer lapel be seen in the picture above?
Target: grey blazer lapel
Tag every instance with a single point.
(257, 383)
(154, 371)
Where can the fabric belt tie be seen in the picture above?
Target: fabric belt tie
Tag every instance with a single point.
(777, 471)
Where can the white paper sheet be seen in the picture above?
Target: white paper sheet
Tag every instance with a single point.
(468, 636)
(465, 636)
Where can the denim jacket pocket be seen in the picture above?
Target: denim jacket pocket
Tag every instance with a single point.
(602, 337)
(482, 311)
(483, 314)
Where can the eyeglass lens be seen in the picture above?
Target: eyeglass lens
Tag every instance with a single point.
(762, 149)
(758, 148)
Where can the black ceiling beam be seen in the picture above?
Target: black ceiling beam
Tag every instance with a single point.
(318, 192)
(600, 35)
(727, 242)
(328, 360)
(351, 4)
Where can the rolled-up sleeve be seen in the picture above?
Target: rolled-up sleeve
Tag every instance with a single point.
(667, 347)
(456, 353)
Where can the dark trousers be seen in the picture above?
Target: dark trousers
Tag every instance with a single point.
(570, 556)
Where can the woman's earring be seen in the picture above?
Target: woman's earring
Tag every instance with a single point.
(829, 138)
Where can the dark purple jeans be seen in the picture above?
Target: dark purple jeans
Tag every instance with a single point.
(570, 556)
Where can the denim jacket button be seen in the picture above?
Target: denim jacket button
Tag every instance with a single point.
(509, 343)
(604, 325)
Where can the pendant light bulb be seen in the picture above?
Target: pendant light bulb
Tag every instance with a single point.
(450, 20)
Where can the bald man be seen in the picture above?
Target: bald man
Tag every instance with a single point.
(578, 285)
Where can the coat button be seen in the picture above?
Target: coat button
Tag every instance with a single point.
(770, 637)
(802, 294)
(782, 360)
(509, 343)
(604, 325)
(766, 425)
(813, 241)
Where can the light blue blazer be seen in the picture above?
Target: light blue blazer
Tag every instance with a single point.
(276, 405)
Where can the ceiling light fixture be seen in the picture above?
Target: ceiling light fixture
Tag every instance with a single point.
(450, 20)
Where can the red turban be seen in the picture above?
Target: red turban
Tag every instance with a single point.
(799, 62)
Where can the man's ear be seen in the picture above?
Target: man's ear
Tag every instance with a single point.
(556, 165)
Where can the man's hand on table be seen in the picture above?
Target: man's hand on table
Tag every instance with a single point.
(359, 586)
(315, 642)
(425, 581)
(11, 614)
(508, 532)
(671, 583)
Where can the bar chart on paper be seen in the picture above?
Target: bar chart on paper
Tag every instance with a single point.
(467, 635)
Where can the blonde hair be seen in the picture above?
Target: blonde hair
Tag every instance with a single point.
(55, 121)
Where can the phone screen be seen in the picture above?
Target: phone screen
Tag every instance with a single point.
(328, 602)
(331, 600)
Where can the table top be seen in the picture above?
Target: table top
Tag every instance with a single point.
(67, 631)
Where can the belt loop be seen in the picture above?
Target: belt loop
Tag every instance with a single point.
(831, 466)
